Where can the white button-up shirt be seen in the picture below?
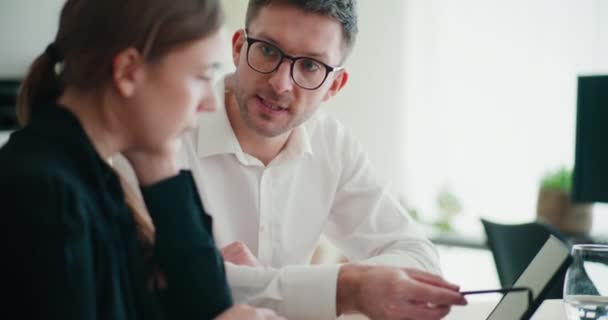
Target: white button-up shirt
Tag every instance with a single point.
(320, 184)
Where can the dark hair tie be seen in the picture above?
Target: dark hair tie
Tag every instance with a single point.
(53, 53)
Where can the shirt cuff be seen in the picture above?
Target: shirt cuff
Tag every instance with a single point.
(310, 291)
(295, 292)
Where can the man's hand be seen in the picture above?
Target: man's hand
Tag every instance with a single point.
(238, 253)
(388, 293)
(244, 312)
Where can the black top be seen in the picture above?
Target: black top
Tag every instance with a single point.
(71, 249)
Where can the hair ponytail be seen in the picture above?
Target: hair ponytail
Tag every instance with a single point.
(143, 222)
(144, 226)
(41, 84)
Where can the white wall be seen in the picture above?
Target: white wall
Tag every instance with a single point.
(235, 14)
(600, 65)
(491, 98)
(600, 41)
(235, 19)
(373, 102)
(26, 28)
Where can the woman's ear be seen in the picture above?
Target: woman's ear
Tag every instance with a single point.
(128, 71)
(337, 84)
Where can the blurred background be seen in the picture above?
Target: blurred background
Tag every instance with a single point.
(467, 108)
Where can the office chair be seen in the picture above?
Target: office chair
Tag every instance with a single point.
(513, 248)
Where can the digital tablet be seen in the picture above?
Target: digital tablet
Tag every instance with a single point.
(552, 258)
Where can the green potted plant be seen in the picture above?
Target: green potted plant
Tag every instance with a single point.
(554, 206)
(449, 206)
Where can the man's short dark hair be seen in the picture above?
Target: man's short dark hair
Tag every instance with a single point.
(344, 11)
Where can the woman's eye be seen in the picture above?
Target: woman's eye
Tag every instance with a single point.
(208, 76)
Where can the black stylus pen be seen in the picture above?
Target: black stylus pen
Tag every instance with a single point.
(503, 290)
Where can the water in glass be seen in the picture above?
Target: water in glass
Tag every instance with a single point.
(586, 283)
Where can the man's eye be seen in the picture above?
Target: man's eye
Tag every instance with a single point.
(310, 65)
(268, 50)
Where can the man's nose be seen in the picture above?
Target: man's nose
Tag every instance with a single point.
(281, 80)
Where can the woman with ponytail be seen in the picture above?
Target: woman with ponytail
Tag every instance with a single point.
(126, 77)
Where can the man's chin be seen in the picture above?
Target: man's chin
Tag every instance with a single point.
(270, 133)
(188, 129)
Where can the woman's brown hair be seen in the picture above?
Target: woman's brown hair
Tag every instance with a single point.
(92, 32)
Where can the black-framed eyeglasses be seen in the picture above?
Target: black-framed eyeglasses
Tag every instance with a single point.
(307, 73)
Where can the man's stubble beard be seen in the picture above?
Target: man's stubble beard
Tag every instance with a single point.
(247, 117)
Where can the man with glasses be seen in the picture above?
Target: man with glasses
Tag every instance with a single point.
(276, 173)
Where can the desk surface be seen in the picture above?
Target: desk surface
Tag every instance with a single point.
(549, 310)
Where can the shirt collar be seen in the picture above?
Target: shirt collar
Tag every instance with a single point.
(215, 136)
(299, 142)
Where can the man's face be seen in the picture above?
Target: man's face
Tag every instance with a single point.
(272, 104)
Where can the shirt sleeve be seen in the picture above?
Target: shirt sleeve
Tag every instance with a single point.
(368, 224)
(296, 292)
(185, 251)
(48, 255)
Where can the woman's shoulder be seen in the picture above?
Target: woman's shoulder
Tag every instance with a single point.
(38, 192)
(47, 177)
(28, 158)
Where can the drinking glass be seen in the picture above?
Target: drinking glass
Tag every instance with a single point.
(586, 283)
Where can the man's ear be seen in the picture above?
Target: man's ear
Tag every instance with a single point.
(337, 84)
(128, 71)
(238, 40)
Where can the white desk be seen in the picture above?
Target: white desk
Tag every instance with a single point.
(549, 310)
